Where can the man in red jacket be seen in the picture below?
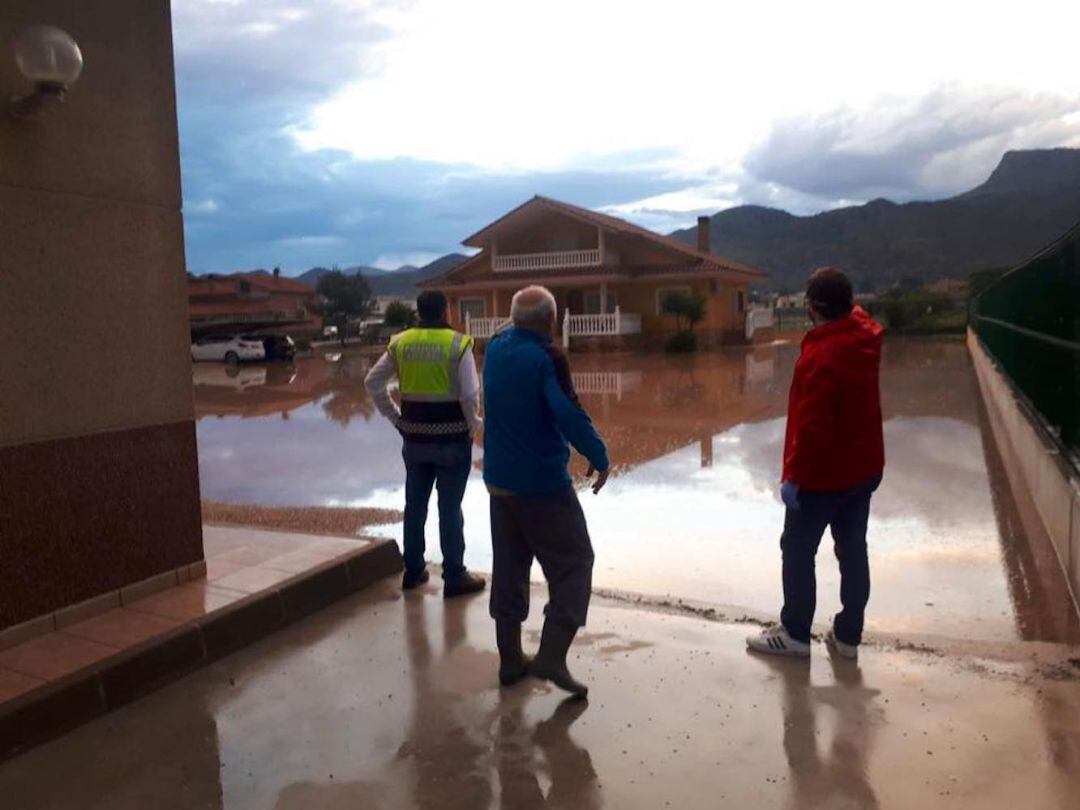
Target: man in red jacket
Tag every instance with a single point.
(833, 460)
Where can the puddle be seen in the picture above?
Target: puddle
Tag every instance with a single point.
(692, 510)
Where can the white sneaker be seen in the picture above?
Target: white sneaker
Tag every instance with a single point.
(839, 647)
(776, 641)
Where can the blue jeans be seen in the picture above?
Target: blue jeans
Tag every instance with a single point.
(445, 466)
(846, 512)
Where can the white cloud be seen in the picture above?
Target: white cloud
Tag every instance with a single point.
(392, 261)
(206, 206)
(515, 85)
(444, 114)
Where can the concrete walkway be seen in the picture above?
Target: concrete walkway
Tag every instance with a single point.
(384, 701)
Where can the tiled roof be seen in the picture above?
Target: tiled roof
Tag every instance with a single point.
(699, 261)
(261, 279)
(628, 228)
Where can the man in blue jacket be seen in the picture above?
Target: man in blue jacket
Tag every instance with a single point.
(531, 414)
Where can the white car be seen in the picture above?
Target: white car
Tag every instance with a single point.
(230, 348)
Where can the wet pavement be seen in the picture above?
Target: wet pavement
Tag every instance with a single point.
(386, 701)
(691, 512)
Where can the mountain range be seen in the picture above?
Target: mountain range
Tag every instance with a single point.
(1030, 199)
(401, 281)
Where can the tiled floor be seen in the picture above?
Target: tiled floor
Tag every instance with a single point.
(238, 562)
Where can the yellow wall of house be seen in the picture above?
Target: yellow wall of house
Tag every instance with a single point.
(639, 298)
(720, 310)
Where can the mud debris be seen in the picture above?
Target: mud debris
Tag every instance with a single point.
(310, 519)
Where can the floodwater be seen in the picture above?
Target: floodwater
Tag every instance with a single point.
(691, 511)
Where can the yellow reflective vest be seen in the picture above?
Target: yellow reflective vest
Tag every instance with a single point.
(427, 363)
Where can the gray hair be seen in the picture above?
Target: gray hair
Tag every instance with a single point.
(533, 308)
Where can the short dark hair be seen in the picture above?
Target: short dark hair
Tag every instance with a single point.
(431, 305)
(829, 292)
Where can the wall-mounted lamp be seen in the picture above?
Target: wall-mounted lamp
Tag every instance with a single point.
(50, 59)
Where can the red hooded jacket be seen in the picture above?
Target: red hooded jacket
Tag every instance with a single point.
(834, 437)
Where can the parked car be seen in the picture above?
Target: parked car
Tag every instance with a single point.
(278, 347)
(329, 333)
(230, 348)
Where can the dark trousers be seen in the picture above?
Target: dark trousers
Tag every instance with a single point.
(445, 466)
(846, 512)
(552, 529)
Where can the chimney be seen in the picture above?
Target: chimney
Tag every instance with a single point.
(703, 234)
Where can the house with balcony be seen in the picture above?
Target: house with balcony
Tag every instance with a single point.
(252, 301)
(610, 278)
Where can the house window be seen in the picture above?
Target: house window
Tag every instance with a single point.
(472, 308)
(665, 293)
(740, 302)
(594, 304)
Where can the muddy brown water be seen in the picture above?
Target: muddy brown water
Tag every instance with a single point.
(692, 510)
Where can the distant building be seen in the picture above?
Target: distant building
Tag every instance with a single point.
(952, 287)
(610, 277)
(257, 300)
(792, 301)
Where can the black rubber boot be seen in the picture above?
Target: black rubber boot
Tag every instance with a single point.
(550, 662)
(513, 665)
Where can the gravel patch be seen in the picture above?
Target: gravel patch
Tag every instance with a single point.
(311, 519)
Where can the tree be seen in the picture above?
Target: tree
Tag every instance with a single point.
(399, 315)
(343, 298)
(688, 306)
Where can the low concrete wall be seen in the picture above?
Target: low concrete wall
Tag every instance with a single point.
(1036, 464)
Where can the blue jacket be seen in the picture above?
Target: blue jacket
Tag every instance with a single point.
(529, 416)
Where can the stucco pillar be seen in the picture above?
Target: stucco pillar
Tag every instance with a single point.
(98, 465)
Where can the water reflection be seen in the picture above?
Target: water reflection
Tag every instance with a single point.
(838, 776)
(568, 766)
(691, 510)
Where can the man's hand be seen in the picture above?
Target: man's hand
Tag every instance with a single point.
(601, 478)
(789, 494)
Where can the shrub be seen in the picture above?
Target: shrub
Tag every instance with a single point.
(681, 343)
(688, 306)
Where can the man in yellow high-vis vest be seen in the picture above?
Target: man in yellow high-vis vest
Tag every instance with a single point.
(439, 415)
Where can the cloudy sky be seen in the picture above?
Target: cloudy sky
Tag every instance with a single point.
(371, 132)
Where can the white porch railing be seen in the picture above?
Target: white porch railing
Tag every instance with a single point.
(606, 382)
(547, 261)
(614, 323)
(484, 327)
(760, 371)
(759, 318)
